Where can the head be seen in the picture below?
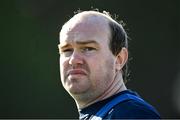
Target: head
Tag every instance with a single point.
(93, 53)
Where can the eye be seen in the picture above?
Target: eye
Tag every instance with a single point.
(86, 49)
(66, 52)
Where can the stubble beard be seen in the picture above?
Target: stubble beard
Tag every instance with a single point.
(96, 92)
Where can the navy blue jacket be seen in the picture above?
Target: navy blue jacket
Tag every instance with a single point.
(127, 109)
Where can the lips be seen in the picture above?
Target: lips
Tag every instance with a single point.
(77, 72)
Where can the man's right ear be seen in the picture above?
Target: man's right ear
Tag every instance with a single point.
(121, 58)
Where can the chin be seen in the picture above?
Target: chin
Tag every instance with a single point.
(77, 86)
(76, 89)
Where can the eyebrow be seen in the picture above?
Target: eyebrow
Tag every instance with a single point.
(86, 42)
(78, 42)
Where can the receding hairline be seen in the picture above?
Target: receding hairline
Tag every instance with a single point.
(93, 13)
(102, 15)
(85, 15)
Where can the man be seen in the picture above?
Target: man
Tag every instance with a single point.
(93, 56)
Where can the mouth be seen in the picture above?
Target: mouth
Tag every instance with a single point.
(77, 72)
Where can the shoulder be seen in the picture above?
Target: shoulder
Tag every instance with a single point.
(133, 109)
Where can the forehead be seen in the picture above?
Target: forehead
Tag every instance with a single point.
(85, 27)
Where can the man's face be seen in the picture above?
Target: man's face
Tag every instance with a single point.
(87, 66)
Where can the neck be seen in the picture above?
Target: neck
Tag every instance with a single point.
(115, 87)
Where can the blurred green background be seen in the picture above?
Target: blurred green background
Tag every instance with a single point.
(30, 81)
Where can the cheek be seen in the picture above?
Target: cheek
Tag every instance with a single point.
(102, 67)
(63, 63)
(102, 75)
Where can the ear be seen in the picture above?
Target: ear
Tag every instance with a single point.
(121, 58)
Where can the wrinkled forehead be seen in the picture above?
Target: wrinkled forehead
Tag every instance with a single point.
(86, 22)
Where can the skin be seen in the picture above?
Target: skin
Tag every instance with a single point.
(89, 71)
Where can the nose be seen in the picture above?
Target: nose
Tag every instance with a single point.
(76, 58)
